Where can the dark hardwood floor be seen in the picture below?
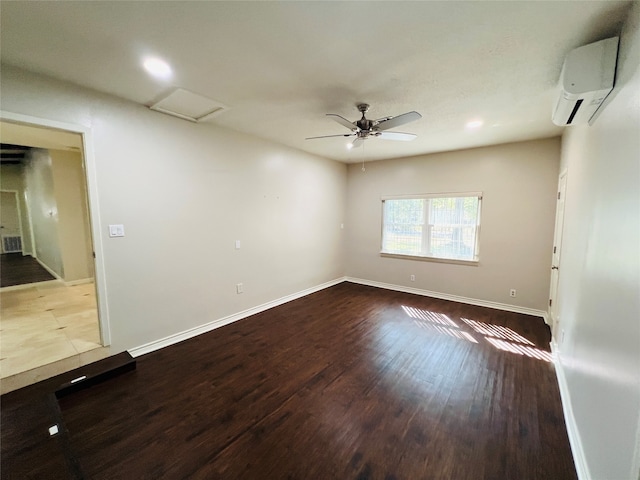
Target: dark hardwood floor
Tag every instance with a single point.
(16, 269)
(352, 382)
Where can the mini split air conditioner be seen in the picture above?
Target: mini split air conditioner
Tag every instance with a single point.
(586, 80)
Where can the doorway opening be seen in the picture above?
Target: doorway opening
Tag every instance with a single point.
(50, 318)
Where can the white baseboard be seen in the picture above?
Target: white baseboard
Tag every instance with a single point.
(579, 458)
(80, 281)
(25, 286)
(636, 460)
(46, 267)
(453, 298)
(207, 327)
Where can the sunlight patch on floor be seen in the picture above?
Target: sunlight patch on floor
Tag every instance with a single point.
(496, 331)
(433, 317)
(446, 330)
(520, 349)
(502, 338)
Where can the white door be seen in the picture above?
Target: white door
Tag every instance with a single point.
(555, 262)
(9, 217)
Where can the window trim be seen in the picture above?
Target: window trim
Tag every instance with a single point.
(431, 195)
(420, 258)
(472, 262)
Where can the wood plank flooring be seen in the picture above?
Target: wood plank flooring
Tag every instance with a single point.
(28, 451)
(16, 269)
(352, 382)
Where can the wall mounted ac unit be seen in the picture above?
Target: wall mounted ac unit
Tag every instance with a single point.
(586, 80)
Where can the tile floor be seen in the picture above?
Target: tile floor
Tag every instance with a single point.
(46, 329)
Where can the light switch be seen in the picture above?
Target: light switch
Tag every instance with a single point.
(53, 430)
(116, 230)
(237, 244)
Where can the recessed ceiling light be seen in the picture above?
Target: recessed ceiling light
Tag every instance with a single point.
(474, 124)
(158, 68)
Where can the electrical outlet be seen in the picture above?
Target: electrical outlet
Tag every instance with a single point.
(239, 288)
(413, 278)
(512, 292)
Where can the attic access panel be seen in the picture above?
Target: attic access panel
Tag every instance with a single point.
(188, 106)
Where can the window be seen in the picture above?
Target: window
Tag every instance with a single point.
(432, 226)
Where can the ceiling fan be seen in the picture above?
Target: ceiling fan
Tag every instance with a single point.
(365, 128)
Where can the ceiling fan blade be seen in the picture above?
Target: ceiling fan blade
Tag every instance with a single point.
(342, 121)
(405, 137)
(399, 120)
(357, 142)
(329, 136)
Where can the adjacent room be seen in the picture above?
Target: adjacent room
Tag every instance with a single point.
(326, 239)
(49, 319)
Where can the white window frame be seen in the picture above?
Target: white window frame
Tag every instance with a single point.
(425, 253)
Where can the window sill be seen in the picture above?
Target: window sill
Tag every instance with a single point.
(472, 263)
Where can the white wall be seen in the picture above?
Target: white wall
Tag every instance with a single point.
(41, 202)
(73, 221)
(11, 178)
(518, 182)
(185, 192)
(599, 289)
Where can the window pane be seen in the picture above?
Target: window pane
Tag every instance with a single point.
(403, 225)
(441, 227)
(453, 227)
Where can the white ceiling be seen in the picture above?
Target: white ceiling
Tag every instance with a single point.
(280, 66)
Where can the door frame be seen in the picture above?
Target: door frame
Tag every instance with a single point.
(93, 206)
(557, 258)
(16, 194)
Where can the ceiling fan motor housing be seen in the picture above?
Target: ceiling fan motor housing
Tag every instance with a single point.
(364, 123)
